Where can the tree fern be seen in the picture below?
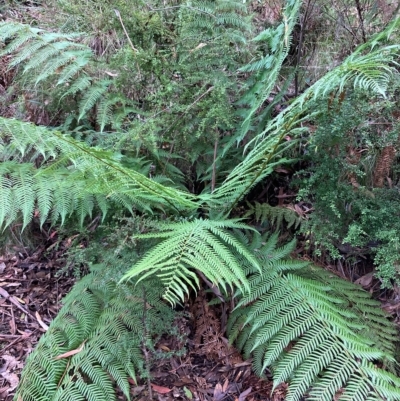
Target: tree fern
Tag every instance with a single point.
(320, 333)
(203, 245)
(103, 325)
(317, 332)
(73, 177)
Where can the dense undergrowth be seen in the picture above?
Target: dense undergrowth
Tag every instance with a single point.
(194, 131)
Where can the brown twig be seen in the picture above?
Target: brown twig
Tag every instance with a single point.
(9, 336)
(214, 169)
(360, 16)
(126, 33)
(6, 295)
(20, 338)
(212, 287)
(144, 348)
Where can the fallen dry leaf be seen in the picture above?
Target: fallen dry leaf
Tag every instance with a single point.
(242, 396)
(199, 46)
(219, 393)
(366, 280)
(41, 322)
(160, 389)
(70, 353)
(12, 378)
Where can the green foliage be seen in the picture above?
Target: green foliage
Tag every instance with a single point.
(313, 329)
(275, 42)
(371, 66)
(152, 89)
(345, 177)
(43, 53)
(80, 177)
(274, 215)
(203, 245)
(106, 326)
(60, 65)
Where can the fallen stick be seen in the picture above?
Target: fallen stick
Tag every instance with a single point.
(21, 337)
(6, 295)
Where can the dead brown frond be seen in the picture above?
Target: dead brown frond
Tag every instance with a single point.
(208, 336)
(383, 165)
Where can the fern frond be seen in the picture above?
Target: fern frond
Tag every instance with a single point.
(92, 96)
(276, 215)
(203, 245)
(104, 322)
(72, 178)
(267, 68)
(79, 85)
(370, 70)
(313, 329)
(46, 53)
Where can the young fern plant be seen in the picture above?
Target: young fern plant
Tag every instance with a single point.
(323, 335)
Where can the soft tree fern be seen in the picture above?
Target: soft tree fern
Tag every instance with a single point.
(324, 336)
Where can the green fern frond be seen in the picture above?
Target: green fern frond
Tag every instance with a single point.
(103, 321)
(72, 178)
(370, 71)
(59, 59)
(203, 245)
(92, 95)
(267, 68)
(82, 83)
(113, 109)
(313, 329)
(275, 215)
(44, 53)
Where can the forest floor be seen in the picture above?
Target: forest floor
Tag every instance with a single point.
(208, 369)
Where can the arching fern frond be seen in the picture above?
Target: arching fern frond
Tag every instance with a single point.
(57, 58)
(315, 330)
(103, 324)
(203, 245)
(369, 68)
(73, 177)
(46, 53)
(266, 69)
